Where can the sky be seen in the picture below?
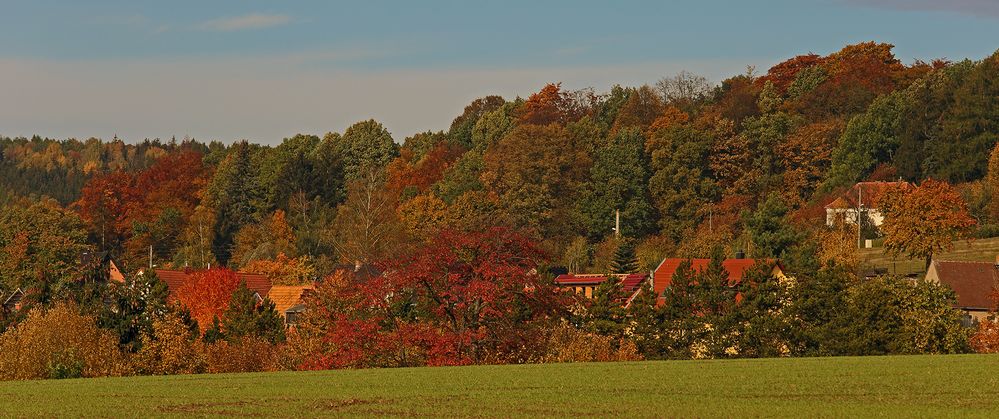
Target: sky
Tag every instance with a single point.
(264, 70)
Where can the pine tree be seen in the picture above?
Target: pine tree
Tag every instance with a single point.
(646, 319)
(625, 261)
(606, 315)
(716, 300)
(680, 310)
(132, 308)
(245, 317)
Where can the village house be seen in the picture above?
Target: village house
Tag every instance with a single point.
(103, 261)
(12, 301)
(586, 284)
(174, 279)
(662, 277)
(863, 198)
(289, 300)
(972, 282)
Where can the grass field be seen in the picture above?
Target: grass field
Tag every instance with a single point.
(980, 250)
(924, 386)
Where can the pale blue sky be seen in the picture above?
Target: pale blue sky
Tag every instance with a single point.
(263, 70)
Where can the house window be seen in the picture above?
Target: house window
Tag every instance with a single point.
(291, 318)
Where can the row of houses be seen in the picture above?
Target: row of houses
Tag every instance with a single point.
(288, 299)
(660, 278)
(974, 284)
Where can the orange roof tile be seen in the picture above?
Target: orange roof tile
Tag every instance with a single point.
(288, 296)
(973, 282)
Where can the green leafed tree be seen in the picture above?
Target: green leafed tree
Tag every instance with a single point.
(248, 317)
(364, 145)
(236, 196)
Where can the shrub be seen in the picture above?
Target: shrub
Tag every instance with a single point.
(565, 343)
(244, 355)
(172, 349)
(59, 343)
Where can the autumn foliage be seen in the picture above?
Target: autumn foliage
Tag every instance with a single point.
(924, 220)
(207, 294)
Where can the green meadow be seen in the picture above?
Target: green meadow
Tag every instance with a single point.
(977, 250)
(923, 386)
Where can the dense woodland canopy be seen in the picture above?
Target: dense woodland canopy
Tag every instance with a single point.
(693, 168)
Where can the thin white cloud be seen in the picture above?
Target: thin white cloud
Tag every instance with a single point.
(245, 22)
(978, 8)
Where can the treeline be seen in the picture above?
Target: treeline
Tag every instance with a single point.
(685, 162)
(474, 298)
(692, 167)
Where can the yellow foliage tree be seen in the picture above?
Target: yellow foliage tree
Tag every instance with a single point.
(172, 349)
(59, 343)
(925, 220)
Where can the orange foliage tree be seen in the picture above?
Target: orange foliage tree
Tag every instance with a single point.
(925, 220)
(553, 105)
(207, 293)
(106, 205)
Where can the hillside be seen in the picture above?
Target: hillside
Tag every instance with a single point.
(923, 386)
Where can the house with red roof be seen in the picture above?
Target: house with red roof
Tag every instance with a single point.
(586, 284)
(662, 277)
(289, 301)
(972, 282)
(863, 198)
(174, 279)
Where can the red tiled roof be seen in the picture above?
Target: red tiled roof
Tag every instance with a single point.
(973, 282)
(580, 279)
(664, 273)
(174, 279)
(870, 193)
(629, 282)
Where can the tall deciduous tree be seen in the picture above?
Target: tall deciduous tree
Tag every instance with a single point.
(367, 227)
(925, 220)
(366, 145)
(39, 240)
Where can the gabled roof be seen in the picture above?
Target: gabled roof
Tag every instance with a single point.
(287, 296)
(629, 282)
(736, 268)
(973, 282)
(175, 279)
(17, 292)
(868, 193)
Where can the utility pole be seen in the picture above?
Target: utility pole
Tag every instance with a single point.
(860, 205)
(617, 224)
(150, 256)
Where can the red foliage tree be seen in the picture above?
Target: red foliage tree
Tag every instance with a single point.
(404, 173)
(478, 296)
(207, 294)
(552, 105)
(783, 74)
(106, 204)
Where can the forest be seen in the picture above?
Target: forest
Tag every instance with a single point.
(467, 226)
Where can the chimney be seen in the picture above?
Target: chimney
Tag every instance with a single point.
(739, 254)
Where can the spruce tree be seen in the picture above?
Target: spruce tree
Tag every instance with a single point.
(647, 319)
(680, 310)
(625, 261)
(245, 317)
(606, 315)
